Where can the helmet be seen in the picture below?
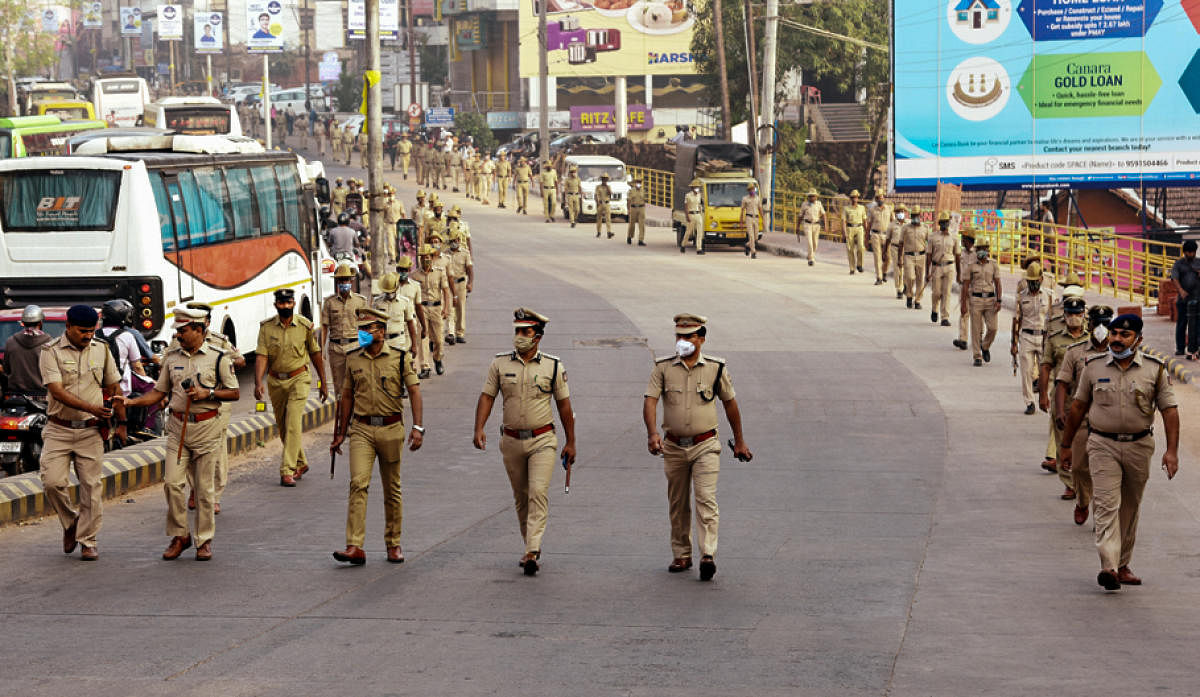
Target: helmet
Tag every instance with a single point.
(390, 282)
(1072, 279)
(1100, 315)
(1033, 272)
(117, 311)
(32, 314)
(343, 218)
(901, 207)
(404, 262)
(915, 210)
(1072, 292)
(343, 270)
(855, 194)
(695, 182)
(944, 216)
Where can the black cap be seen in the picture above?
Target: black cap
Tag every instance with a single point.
(1074, 306)
(1129, 321)
(284, 295)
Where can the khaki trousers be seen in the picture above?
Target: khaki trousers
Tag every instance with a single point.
(337, 365)
(897, 266)
(637, 219)
(983, 316)
(501, 190)
(434, 328)
(405, 160)
(693, 472)
(573, 207)
(199, 460)
(62, 446)
(287, 399)
(878, 245)
(603, 216)
(367, 443)
(694, 230)
(1029, 357)
(855, 251)
(1081, 471)
(530, 464)
(1119, 473)
(221, 474)
(750, 223)
(1055, 435)
(964, 319)
(1066, 476)
(458, 178)
(548, 202)
(522, 195)
(941, 278)
(914, 276)
(812, 232)
(459, 291)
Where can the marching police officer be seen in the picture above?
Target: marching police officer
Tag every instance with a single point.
(603, 195)
(812, 213)
(573, 192)
(941, 268)
(462, 281)
(1033, 306)
(879, 219)
(337, 197)
(338, 324)
(751, 214)
(1118, 391)
(964, 317)
(435, 301)
(549, 181)
(854, 216)
(691, 448)
(896, 244)
(637, 213)
(371, 412)
(981, 292)
(527, 380)
(1054, 351)
(693, 207)
(524, 174)
(503, 177)
(404, 147)
(400, 310)
(913, 240)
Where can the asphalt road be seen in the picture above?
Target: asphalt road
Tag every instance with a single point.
(893, 535)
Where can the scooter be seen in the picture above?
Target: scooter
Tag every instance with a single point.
(22, 420)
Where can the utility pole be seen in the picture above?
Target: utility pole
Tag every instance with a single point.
(622, 108)
(266, 100)
(412, 59)
(543, 85)
(307, 23)
(719, 35)
(770, 42)
(751, 53)
(379, 262)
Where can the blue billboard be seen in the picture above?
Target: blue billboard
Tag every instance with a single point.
(1045, 93)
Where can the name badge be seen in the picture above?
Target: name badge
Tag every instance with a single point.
(1103, 380)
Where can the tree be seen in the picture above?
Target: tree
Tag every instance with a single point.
(19, 27)
(475, 125)
(433, 63)
(348, 92)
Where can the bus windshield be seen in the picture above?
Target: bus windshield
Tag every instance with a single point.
(74, 113)
(616, 173)
(726, 195)
(120, 86)
(58, 200)
(197, 120)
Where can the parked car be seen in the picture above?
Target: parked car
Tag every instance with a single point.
(294, 99)
(590, 169)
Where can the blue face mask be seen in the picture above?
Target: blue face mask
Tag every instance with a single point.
(365, 338)
(343, 287)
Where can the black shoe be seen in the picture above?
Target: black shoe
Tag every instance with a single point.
(810, 262)
(899, 295)
(945, 323)
(933, 316)
(917, 305)
(423, 374)
(708, 568)
(531, 565)
(700, 252)
(977, 363)
(908, 302)
(641, 244)
(629, 240)
(1109, 580)
(753, 255)
(610, 235)
(681, 251)
(958, 344)
(572, 224)
(598, 235)
(879, 281)
(746, 251)
(460, 340)
(1029, 410)
(851, 272)
(437, 365)
(859, 269)
(987, 356)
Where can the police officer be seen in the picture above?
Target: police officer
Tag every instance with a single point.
(196, 377)
(404, 148)
(79, 374)
(941, 267)
(461, 277)
(913, 241)
(549, 182)
(1066, 380)
(895, 241)
(1054, 350)
(457, 165)
(964, 260)
(879, 220)
(411, 289)
(338, 323)
(523, 173)
(691, 448)
(487, 176)
(400, 311)
(854, 216)
(637, 212)
(1118, 391)
(419, 154)
(693, 207)
(603, 196)
(286, 343)
(812, 214)
(435, 300)
(573, 192)
(503, 177)
(371, 411)
(338, 196)
(751, 214)
(981, 292)
(335, 140)
(22, 352)
(1033, 306)
(527, 380)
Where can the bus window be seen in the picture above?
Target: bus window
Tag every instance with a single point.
(237, 179)
(213, 203)
(165, 229)
(266, 193)
(5, 145)
(289, 190)
(49, 200)
(175, 200)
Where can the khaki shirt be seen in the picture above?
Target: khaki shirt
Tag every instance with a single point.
(811, 211)
(526, 388)
(1055, 348)
(404, 147)
(896, 233)
(1123, 401)
(286, 348)
(914, 237)
(981, 277)
(603, 195)
(410, 289)
(456, 159)
(207, 367)
(379, 382)
(637, 197)
(854, 216)
(524, 172)
(400, 310)
(339, 195)
(943, 248)
(692, 203)
(394, 212)
(81, 372)
(751, 205)
(1033, 309)
(460, 261)
(549, 178)
(340, 316)
(573, 184)
(503, 168)
(488, 168)
(880, 217)
(433, 282)
(689, 394)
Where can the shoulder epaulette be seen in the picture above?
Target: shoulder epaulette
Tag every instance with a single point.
(304, 321)
(1155, 359)
(551, 356)
(1078, 343)
(664, 359)
(1095, 356)
(356, 349)
(218, 336)
(268, 319)
(503, 353)
(714, 359)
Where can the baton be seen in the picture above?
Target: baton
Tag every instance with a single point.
(734, 451)
(567, 467)
(332, 462)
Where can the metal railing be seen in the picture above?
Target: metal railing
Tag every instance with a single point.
(659, 185)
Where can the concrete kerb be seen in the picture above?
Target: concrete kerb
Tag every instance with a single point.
(22, 497)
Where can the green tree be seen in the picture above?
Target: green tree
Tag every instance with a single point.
(348, 91)
(475, 125)
(433, 64)
(27, 50)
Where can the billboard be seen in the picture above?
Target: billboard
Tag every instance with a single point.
(389, 19)
(209, 34)
(1045, 93)
(611, 37)
(604, 118)
(93, 14)
(131, 21)
(170, 22)
(264, 26)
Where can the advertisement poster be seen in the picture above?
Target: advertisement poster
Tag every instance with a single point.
(50, 21)
(389, 19)
(93, 14)
(611, 37)
(209, 34)
(604, 117)
(131, 21)
(264, 26)
(1045, 93)
(170, 22)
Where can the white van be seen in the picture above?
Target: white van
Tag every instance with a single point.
(294, 98)
(590, 169)
(197, 116)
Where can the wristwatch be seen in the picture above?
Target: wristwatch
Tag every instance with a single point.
(212, 394)
(419, 429)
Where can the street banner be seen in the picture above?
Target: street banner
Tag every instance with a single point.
(264, 26)
(611, 37)
(170, 22)
(93, 14)
(603, 118)
(389, 19)
(209, 30)
(131, 21)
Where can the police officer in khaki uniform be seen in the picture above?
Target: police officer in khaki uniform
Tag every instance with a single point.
(503, 178)
(812, 215)
(637, 213)
(524, 174)
(981, 292)
(941, 268)
(751, 215)
(549, 182)
(79, 374)
(338, 324)
(1066, 380)
(458, 164)
(879, 220)
(603, 196)
(335, 141)
(527, 380)
(1056, 324)
(337, 198)
(573, 193)
(896, 244)
(419, 153)
(487, 177)
(400, 310)
(411, 289)
(371, 411)
(196, 378)
(854, 216)
(404, 147)
(1054, 351)
(435, 300)
(690, 383)
(914, 239)
(964, 260)
(1118, 391)
(693, 207)
(286, 343)
(1033, 306)
(461, 277)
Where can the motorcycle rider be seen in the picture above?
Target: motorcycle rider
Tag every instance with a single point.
(21, 353)
(114, 318)
(342, 238)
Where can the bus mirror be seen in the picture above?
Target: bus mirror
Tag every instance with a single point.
(322, 190)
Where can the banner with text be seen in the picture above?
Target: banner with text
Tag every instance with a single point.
(170, 22)
(209, 34)
(389, 19)
(131, 21)
(264, 26)
(604, 118)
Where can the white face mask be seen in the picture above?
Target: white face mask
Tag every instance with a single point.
(900, 216)
(1075, 321)
(684, 348)
(1100, 333)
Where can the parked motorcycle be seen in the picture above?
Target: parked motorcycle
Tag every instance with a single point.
(22, 420)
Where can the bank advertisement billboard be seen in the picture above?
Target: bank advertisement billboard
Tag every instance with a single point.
(264, 26)
(1046, 93)
(611, 37)
(209, 35)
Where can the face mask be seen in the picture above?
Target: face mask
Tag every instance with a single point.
(522, 343)
(1074, 321)
(900, 216)
(684, 348)
(1100, 333)
(365, 338)
(454, 247)
(403, 277)
(981, 254)
(1034, 286)
(343, 288)
(1119, 352)
(285, 312)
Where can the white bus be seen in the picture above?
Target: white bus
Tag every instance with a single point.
(193, 116)
(120, 101)
(229, 230)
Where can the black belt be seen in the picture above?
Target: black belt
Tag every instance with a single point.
(689, 441)
(853, 226)
(395, 335)
(637, 205)
(343, 341)
(942, 263)
(914, 254)
(1123, 437)
(431, 304)
(1031, 331)
(460, 280)
(526, 433)
(983, 295)
(379, 420)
